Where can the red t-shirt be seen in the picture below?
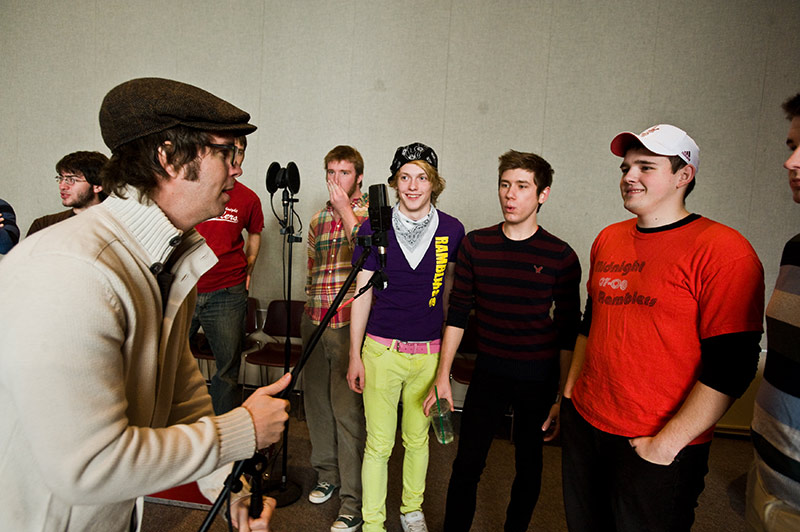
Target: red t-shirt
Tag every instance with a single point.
(224, 235)
(654, 296)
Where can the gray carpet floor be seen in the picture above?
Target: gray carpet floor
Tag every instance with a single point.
(721, 505)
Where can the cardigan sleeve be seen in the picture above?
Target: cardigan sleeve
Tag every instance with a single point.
(78, 422)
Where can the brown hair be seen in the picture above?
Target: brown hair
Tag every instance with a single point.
(346, 153)
(136, 163)
(88, 163)
(792, 106)
(541, 169)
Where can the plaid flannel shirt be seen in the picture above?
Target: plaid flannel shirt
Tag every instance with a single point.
(329, 255)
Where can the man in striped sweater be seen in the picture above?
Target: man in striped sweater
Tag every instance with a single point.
(511, 274)
(773, 487)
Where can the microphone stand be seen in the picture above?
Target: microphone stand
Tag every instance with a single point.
(334, 308)
(284, 491)
(256, 465)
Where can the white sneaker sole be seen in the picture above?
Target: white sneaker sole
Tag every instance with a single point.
(315, 499)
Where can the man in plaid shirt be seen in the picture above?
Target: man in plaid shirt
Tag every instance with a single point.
(335, 414)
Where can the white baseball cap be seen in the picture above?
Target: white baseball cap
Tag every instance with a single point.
(662, 139)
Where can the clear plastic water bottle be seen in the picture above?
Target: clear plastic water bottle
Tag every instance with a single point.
(442, 421)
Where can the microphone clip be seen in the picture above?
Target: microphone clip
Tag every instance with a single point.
(379, 280)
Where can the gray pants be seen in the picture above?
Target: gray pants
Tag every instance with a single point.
(335, 415)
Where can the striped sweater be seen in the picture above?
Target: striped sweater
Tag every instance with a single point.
(513, 286)
(776, 419)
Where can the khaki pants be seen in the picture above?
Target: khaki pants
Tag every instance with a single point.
(765, 512)
(335, 415)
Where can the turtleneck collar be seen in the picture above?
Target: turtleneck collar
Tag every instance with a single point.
(148, 224)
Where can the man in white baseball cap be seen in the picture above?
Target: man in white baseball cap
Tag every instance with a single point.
(670, 338)
(663, 139)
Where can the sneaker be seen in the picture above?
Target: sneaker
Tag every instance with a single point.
(321, 492)
(346, 523)
(413, 522)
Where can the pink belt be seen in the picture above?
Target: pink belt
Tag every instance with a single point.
(410, 348)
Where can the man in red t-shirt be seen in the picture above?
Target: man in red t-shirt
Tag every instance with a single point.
(670, 338)
(222, 291)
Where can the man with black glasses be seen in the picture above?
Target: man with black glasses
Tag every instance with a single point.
(78, 184)
(101, 401)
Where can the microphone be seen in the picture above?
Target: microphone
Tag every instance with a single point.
(285, 203)
(285, 178)
(380, 218)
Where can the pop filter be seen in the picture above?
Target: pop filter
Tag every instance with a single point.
(272, 177)
(292, 178)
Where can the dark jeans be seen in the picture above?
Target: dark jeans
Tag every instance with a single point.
(607, 486)
(222, 314)
(487, 401)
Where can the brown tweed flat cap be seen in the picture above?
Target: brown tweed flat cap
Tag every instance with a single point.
(143, 106)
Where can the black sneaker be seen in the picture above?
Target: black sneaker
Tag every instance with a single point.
(321, 492)
(346, 523)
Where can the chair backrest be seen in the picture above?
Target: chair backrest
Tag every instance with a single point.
(275, 324)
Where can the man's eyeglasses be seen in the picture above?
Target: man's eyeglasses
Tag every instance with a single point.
(234, 150)
(69, 179)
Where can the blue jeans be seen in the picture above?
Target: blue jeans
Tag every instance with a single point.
(221, 314)
(607, 486)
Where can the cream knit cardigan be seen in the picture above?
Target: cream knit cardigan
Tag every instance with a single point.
(101, 401)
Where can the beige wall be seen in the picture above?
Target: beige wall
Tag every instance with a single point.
(471, 78)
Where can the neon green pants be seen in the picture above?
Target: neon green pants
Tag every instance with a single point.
(390, 376)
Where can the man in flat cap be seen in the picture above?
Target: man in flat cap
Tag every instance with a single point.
(78, 185)
(669, 339)
(101, 401)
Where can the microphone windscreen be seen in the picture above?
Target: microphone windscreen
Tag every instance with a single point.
(380, 211)
(272, 177)
(293, 177)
